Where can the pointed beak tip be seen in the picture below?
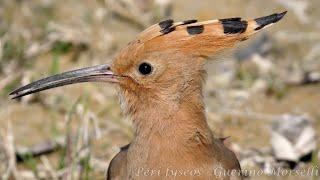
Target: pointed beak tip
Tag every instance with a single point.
(14, 95)
(12, 92)
(14, 98)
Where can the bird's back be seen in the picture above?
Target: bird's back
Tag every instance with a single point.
(117, 169)
(223, 163)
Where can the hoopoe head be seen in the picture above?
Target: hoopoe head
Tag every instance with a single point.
(165, 62)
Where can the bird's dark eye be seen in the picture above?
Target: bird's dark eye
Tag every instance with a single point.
(145, 68)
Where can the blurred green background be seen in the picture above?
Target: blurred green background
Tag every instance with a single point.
(275, 73)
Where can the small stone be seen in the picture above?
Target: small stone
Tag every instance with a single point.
(292, 137)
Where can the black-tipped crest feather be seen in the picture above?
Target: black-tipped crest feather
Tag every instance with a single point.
(264, 21)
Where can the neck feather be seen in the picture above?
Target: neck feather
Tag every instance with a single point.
(170, 120)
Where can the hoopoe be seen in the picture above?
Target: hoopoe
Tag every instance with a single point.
(160, 79)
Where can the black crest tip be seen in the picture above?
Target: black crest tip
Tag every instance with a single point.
(166, 23)
(234, 25)
(191, 21)
(264, 21)
(167, 30)
(281, 15)
(193, 30)
(230, 19)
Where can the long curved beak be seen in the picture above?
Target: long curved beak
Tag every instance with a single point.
(101, 73)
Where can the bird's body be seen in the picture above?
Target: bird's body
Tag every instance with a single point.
(171, 137)
(160, 76)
